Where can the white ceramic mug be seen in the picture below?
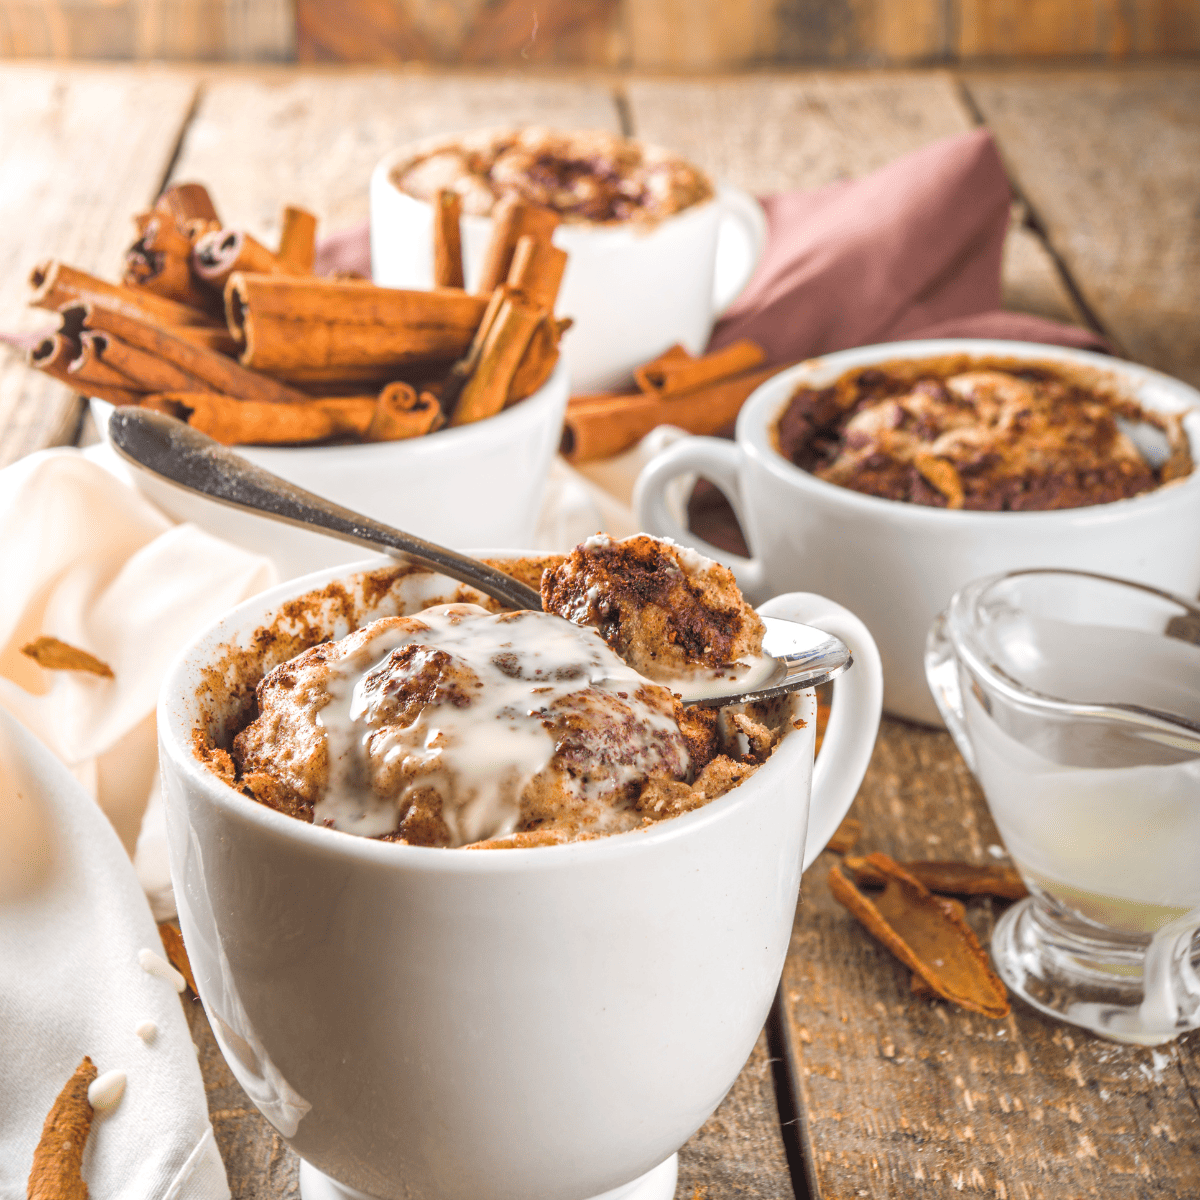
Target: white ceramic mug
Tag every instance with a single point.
(897, 564)
(474, 483)
(552, 1022)
(632, 291)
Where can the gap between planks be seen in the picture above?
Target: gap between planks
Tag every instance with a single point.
(1037, 226)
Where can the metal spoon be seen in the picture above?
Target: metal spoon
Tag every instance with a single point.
(803, 656)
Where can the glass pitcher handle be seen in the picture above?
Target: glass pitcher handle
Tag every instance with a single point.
(941, 672)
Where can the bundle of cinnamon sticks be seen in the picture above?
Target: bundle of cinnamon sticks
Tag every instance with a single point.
(247, 345)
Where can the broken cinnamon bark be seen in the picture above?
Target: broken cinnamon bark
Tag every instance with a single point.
(953, 878)
(928, 933)
(55, 655)
(57, 1171)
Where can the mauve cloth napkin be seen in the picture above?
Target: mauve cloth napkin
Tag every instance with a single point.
(912, 250)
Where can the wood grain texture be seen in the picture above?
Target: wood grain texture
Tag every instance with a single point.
(311, 139)
(1110, 163)
(915, 1098)
(182, 30)
(777, 132)
(737, 1154)
(81, 149)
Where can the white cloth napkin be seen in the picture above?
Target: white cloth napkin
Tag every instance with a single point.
(72, 920)
(88, 560)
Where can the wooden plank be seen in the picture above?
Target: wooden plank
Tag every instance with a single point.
(777, 132)
(738, 1152)
(187, 30)
(1110, 163)
(80, 150)
(905, 1097)
(312, 138)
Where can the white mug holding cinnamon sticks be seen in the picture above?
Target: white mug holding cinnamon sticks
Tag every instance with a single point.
(633, 287)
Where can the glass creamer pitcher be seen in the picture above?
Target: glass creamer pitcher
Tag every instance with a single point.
(1075, 699)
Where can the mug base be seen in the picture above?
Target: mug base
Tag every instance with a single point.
(658, 1184)
(1100, 986)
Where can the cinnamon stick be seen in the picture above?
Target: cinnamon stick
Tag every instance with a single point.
(539, 360)
(297, 240)
(401, 413)
(955, 878)
(143, 371)
(217, 255)
(57, 284)
(606, 423)
(87, 367)
(295, 324)
(537, 270)
(487, 389)
(53, 355)
(259, 423)
(677, 371)
(512, 219)
(219, 340)
(845, 837)
(447, 239)
(928, 934)
(221, 374)
(160, 262)
(186, 203)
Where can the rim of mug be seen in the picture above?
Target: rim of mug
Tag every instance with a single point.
(451, 439)
(177, 718)
(381, 178)
(958, 626)
(766, 403)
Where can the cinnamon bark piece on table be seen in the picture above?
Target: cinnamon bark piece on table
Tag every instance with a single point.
(160, 262)
(511, 220)
(677, 371)
(297, 240)
(186, 203)
(487, 389)
(606, 423)
(57, 284)
(927, 933)
(537, 270)
(956, 878)
(447, 239)
(218, 372)
(298, 324)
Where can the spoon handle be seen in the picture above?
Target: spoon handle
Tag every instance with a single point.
(176, 452)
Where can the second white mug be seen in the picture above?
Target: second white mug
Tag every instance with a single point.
(633, 291)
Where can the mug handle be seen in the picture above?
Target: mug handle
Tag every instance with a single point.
(853, 718)
(742, 221)
(716, 459)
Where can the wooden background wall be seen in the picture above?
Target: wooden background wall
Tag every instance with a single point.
(684, 35)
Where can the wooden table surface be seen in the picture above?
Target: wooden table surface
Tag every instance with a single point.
(855, 1089)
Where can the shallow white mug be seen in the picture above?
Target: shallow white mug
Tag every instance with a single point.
(474, 483)
(897, 564)
(553, 1022)
(632, 291)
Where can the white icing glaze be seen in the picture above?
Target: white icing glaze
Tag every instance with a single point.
(484, 736)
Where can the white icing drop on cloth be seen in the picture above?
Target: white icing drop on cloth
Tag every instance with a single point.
(502, 684)
(156, 965)
(105, 1091)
